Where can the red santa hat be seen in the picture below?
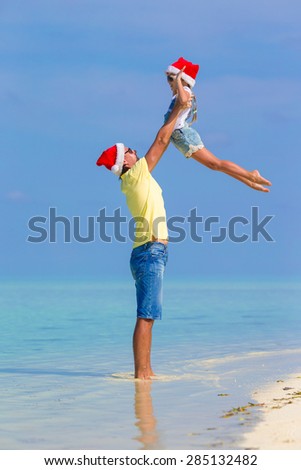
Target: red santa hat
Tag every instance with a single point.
(190, 72)
(112, 159)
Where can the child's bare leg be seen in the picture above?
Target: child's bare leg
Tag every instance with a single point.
(208, 159)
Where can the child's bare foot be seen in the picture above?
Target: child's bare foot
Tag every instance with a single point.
(259, 179)
(259, 187)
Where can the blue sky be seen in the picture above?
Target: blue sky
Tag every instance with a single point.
(78, 76)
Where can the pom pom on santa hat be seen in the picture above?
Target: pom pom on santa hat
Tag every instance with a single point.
(112, 159)
(190, 72)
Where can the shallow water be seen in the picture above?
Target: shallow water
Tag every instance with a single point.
(66, 363)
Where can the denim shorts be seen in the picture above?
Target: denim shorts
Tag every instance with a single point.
(187, 140)
(148, 263)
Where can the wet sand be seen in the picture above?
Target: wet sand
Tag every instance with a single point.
(279, 427)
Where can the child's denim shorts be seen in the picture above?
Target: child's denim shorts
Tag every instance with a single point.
(148, 263)
(187, 140)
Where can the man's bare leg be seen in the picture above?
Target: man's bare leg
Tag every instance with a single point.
(142, 342)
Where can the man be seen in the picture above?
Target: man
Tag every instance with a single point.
(149, 255)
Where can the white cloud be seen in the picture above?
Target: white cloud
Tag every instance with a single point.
(16, 196)
(289, 39)
(71, 11)
(250, 93)
(171, 19)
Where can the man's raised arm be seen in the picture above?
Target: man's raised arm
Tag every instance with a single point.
(162, 139)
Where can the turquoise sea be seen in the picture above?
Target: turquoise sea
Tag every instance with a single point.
(66, 363)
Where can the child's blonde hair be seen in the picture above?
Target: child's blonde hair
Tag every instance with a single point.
(193, 115)
(193, 110)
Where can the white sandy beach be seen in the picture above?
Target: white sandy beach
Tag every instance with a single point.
(279, 428)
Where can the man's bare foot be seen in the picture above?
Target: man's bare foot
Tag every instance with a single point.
(258, 179)
(143, 377)
(144, 374)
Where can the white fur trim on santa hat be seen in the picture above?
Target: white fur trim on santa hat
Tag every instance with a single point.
(117, 167)
(187, 78)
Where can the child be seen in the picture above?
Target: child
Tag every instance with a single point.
(181, 78)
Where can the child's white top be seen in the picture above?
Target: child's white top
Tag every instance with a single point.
(180, 122)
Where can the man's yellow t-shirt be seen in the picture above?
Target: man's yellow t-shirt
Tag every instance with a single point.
(145, 202)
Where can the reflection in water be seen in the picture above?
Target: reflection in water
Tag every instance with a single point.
(146, 421)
